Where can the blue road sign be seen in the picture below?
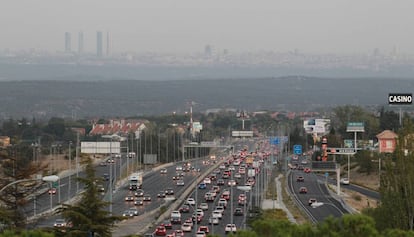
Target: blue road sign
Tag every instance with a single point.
(274, 141)
(297, 149)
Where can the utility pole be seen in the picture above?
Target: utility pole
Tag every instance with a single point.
(77, 162)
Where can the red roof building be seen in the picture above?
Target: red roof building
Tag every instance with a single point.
(387, 141)
(120, 127)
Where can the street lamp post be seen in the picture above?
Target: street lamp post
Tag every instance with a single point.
(70, 169)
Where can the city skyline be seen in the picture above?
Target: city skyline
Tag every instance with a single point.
(319, 26)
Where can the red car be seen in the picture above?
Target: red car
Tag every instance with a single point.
(307, 170)
(204, 228)
(160, 231)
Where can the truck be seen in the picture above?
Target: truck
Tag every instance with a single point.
(135, 181)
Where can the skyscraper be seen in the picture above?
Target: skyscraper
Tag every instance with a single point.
(99, 44)
(80, 42)
(67, 42)
(108, 44)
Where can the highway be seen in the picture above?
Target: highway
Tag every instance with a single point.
(316, 189)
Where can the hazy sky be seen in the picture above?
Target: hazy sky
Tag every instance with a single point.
(313, 26)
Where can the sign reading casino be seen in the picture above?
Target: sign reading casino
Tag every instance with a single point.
(400, 98)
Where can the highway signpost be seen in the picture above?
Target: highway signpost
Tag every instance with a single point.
(340, 151)
(297, 149)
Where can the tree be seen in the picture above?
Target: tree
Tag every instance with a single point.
(397, 187)
(16, 166)
(89, 216)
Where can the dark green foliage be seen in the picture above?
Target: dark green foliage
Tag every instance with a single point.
(364, 161)
(397, 186)
(89, 216)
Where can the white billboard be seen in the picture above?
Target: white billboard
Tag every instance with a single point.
(101, 147)
(242, 133)
(317, 126)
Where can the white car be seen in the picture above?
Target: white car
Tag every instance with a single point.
(203, 206)
(207, 180)
(213, 220)
(231, 182)
(190, 201)
(217, 214)
(222, 202)
(220, 209)
(201, 234)
(186, 227)
(230, 228)
(344, 181)
(200, 212)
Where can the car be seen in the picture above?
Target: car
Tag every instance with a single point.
(147, 198)
(160, 231)
(180, 182)
(220, 208)
(209, 197)
(190, 201)
(217, 214)
(196, 217)
(60, 223)
(167, 224)
(110, 161)
(230, 228)
(232, 168)
(161, 194)
(222, 202)
(200, 234)
(100, 188)
(202, 186)
(220, 182)
(238, 211)
(300, 179)
(304, 162)
(231, 182)
(52, 191)
(179, 233)
(213, 220)
(225, 176)
(186, 227)
(117, 155)
(225, 195)
(199, 211)
(222, 166)
(139, 202)
(139, 193)
(103, 163)
(303, 190)
(242, 197)
(237, 176)
(178, 168)
(129, 198)
(128, 213)
(344, 181)
(216, 189)
(204, 228)
(169, 191)
(134, 210)
(213, 177)
(217, 171)
(105, 177)
(184, 208)
(163, 171)
(307, 170)
(207, 180)
(175, 220)
(203, 206)
(311, 200)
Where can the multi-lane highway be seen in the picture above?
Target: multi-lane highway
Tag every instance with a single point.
(317, 190)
